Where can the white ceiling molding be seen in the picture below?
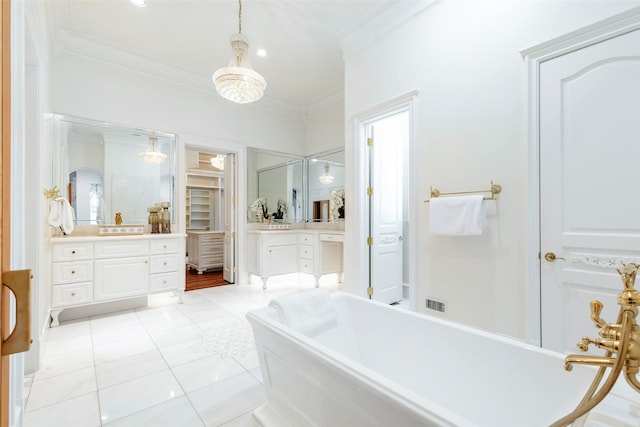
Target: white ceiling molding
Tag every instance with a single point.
(329, 101)
(66, 42)
(381, 21)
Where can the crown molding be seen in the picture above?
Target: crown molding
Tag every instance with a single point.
(381, 21)
(68, 43)
(327, 102)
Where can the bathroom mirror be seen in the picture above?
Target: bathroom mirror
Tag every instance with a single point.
(275, 177)
(325, 182)
(104, 169)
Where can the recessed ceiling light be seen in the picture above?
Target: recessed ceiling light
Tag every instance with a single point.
(261, 52)
(139, 3)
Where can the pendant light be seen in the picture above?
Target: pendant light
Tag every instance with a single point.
(152, 155)
(237, 81)
(326, 178)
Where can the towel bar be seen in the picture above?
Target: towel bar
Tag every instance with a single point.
(495, 189)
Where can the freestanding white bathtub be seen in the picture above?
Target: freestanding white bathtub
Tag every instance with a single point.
(384, 366)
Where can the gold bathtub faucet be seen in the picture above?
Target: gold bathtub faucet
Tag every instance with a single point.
(621, 341)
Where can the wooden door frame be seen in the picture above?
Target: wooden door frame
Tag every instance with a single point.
(534, 56)
(5, 174)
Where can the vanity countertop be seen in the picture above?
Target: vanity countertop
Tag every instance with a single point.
(205, 231)
(93, 238)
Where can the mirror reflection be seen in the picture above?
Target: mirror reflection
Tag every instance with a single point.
(294, 188)
(106, 169)
(326, 186)
(275, 186)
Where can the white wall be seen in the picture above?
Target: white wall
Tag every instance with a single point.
(463, 57)
(325, 130)
(87, 88)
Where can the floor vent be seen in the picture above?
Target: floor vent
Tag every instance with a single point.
(436, 305)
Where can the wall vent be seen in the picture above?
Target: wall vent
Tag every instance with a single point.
(436, 305)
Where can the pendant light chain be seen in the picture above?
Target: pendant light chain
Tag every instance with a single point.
(240, 17)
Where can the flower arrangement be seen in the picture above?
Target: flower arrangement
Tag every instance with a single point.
(337, 204)
(259, 206)
(282, 209)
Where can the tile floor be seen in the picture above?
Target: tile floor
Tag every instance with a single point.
(168, 364)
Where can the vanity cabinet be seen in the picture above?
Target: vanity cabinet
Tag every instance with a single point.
(91, 270)
(121, 269)
(272, 253)
(205, 249)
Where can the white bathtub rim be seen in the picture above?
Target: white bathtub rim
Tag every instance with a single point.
(391, 390)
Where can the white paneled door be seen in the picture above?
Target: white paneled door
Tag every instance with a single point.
(589, 184)
(229, 266)
(386, 206)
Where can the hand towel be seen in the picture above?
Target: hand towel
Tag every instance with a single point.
(310, 312)
(457, 216)
(61, 215)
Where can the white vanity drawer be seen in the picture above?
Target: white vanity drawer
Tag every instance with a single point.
(280, 239)
(72, 251)
(218, 237)
(211, 249)
(328, 237)
(121, 248)
(306, 266)
(166, 282)
(72, 272)
(73, 294)
(163, 264)
(168, 246)
(306, 251)
(305, 238)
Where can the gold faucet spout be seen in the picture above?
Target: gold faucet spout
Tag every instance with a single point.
(569, 361)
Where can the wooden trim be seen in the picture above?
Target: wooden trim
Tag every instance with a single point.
(5, 173)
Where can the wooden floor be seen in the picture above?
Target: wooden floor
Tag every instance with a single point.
(208, 279)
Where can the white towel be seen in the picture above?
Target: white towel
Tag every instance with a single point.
(61, 215)
(309, 312)
(456, 216)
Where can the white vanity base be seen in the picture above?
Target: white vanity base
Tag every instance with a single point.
(310, 251)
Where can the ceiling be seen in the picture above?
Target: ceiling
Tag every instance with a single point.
(188, 40)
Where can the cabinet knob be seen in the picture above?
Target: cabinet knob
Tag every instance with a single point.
(73, 294)
(146, 262)
(164, 263)
(73, 252)
(73, 272)
(164, 246)
(164, 282)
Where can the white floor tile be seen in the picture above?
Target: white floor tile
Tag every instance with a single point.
(122, 349)
(128, 368)
(75, 344)
(70, 329)
(113, 335)
(62, 387)
(207, 371)
(50, 366)
(228, 399)
(158, 324)
(178, 412)
(137, 395)
(246, 420)
(249, 360)
(81, 411)
(257, 374)
(169, 337)
(185, 352)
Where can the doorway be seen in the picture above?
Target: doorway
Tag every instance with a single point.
(387, 206)
(589, 214)
(209, 217)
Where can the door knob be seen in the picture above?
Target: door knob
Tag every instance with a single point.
(550, 256)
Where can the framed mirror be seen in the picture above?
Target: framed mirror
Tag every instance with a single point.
(325, 182)
(275, 186)
(105, 168)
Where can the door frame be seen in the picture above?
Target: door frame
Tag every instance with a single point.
(534, 56)
(359, 257)
(218, 146)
